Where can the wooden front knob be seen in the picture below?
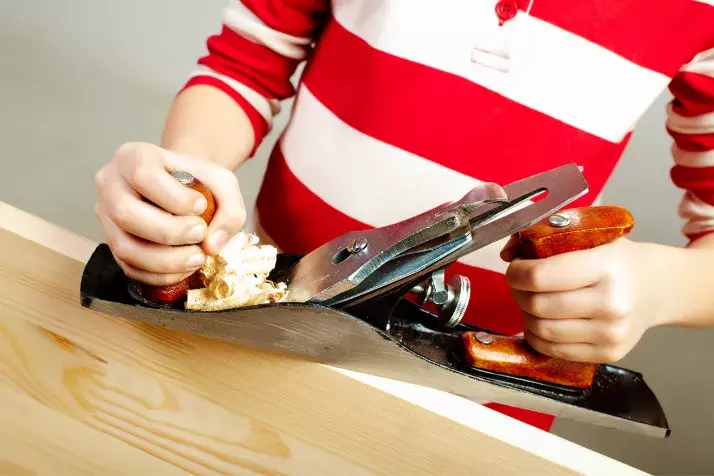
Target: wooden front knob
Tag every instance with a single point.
(173, 292)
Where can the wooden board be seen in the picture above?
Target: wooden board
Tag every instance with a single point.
(86, 393)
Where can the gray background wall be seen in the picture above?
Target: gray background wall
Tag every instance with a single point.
(80, 77)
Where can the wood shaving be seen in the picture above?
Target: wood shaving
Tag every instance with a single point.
(237, 277)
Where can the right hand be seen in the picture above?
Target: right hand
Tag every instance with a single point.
(164, 243)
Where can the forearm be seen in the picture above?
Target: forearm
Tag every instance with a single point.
(205, 122)
(691, 281)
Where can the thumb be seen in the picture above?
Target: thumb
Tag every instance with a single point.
(223, 184)
(510, 249)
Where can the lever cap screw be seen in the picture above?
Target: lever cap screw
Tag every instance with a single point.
(484, 337)
(559, 220)
(357, 245)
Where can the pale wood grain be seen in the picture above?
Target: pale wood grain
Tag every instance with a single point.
(183, 404)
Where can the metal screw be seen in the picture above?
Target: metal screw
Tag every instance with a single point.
(452, 222)
(439, 292)
(559, 220)
(484, 337)
(357, 245)
(184, 178)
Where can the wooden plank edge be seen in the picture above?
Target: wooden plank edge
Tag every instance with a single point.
(473, 415)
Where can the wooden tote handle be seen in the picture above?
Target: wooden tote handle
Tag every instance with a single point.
(565, 231)
(173, 292)
(576, 229)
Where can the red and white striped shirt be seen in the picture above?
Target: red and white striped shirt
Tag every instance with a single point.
(407, 104)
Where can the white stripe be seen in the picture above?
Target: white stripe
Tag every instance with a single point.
(701, 124)
(708, 2)
(244, 22)
(697, 226)
(693, 208)
(551, 70)
(267, 108)
(686, 158)
(362, 177)
(703, 63)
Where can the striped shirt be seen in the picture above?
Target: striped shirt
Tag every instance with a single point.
(406, 104)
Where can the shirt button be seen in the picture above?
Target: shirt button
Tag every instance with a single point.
(506, 9)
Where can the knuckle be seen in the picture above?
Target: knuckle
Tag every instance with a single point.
(618, 305)
(558, 352)
(544, 330)
(121, 212)
(127, 269)
(535, 276)
(142, 174)
(100, 177)
(126, 148)
(234, 219)
(120, 249)
(169, 237)
(537, 305)
(615, 333)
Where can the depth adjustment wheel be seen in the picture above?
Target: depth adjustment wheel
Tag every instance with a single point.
(451, 298)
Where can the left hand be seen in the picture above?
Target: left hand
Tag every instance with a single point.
(590, 305)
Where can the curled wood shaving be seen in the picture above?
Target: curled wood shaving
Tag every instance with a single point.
(237, 277)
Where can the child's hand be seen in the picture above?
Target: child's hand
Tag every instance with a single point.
(163, 243)
(591, 305)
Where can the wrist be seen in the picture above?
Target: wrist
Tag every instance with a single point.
(205, 122)
(186, 146)
(682, 281)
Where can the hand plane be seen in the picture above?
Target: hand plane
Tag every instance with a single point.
(377, 302)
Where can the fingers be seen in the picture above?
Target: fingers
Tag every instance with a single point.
(146, 256)
(143, 168)
(565, 272)
(151, 221)
(578, 331)
(151, 279)
(576, 352)
(129, 212)
(584, 303)
(510, 249)
(223, 184)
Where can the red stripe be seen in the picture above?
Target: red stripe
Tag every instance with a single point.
(698, 180)
(252, 64)
(260, 125)
(637, 29)
(695, 236)
(542, 421)
(295, 17)
(292, 215)
(692, 142)
(445, 118)
(693, 93)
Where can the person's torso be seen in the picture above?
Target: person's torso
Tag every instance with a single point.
(407, 104)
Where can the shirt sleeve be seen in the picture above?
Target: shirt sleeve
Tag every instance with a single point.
(690, 122)
(259, 47)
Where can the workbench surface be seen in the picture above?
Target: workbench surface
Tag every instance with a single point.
(86, 393)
